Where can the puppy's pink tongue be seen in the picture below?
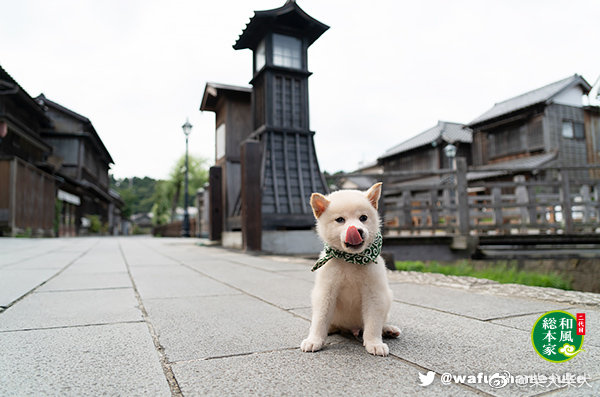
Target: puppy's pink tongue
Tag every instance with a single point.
(353, 236)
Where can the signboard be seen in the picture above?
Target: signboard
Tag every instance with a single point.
(68, 197)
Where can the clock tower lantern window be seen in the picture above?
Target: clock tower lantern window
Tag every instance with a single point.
(259, 56)
(287, 51)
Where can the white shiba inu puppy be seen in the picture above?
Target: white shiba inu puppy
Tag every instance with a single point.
(351, 291)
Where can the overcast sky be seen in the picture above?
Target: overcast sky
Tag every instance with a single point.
(385, 70)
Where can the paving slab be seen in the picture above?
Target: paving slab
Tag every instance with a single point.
(447, 343)
(17, 250)
(138, 254)
(117, 359)
(260, 262)
(468, 303)
(279, 289)
(92, 269)
(204, 327)
(10, 256)
(231, 324)
(342, 369)
(592, 323)
(52, 260)
(71, 280)
(592, 389)
(304, 274)
(304, 312)
(175, 281)
(71, 308)
(16, 283)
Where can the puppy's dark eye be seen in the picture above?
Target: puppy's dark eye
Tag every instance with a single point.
(340, 220)
(363, 218)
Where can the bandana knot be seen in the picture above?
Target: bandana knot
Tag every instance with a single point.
(369, 255)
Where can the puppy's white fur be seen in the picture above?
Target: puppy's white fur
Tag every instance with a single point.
(349, 296)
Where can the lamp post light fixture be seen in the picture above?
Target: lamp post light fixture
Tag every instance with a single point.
(450, 151)
(185, 226)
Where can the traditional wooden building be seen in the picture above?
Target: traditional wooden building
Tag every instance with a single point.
(233, 121)
(53, 168)
(279, 39)
(83, 184)
(266, 166)
(27, 187)
(540, 127)
(425, 151)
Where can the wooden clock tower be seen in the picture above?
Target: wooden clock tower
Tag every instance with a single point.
(279, 39)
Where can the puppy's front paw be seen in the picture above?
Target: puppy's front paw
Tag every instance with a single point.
(389, 331)
(378, 349)
(312, 344)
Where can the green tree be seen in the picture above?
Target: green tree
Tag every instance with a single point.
(197, 177)
(136, 193)
(160, 197)
(160, 208)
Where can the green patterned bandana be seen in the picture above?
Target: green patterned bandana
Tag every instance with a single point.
(369, 255)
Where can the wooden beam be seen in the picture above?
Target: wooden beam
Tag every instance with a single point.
(565, 200)
(215, 213)
(497, 205)
(300, 177)
(288, 187)
(251, 196)
(311, 157)
(274, 173)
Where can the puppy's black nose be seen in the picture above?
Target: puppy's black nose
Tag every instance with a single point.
(362, 234)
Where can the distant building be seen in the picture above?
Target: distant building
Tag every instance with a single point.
(27, 186)
(273, 114)
(549, 125)
(53, 169)
(362, 178)
(233, 121)
(84, 170)
(425, 151)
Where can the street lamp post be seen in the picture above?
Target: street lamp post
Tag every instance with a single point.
(185, 227)
(450, 152)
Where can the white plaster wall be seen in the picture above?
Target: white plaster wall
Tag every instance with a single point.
(571, 97)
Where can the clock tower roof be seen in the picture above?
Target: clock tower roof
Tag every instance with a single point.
(289, 18)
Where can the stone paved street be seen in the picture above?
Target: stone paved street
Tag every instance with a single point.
(159, 317)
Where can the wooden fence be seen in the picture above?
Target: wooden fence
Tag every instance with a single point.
(27, 197)
(550, 200)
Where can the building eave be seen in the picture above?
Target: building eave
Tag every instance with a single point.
(212, 91)
(88, 126)
(262, 21)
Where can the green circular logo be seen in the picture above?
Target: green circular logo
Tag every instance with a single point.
(555, 338)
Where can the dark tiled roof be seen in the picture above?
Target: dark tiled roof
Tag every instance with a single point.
(289, 15)
(9, 84)
(446, 131)
(540, 95)
(362, 182)
(507, 167)
(93, 134)
(211, 92)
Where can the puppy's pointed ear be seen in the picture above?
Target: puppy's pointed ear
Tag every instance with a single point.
(373, 194)
(319, 204)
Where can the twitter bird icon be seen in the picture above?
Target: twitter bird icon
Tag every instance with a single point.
(426, 380)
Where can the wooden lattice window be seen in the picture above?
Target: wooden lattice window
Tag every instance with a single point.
(287, 106)
(535, 135)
